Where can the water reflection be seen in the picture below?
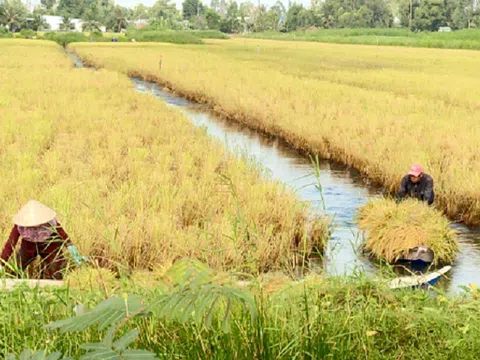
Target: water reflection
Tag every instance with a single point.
(344, 190)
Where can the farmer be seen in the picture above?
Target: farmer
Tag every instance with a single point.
(418, 185)
(41, 235)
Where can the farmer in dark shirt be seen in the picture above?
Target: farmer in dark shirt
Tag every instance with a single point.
(418, 185)
(42, 235)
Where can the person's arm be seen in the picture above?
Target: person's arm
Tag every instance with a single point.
(72, 249)
(402, 192)
(63, 234)
(10, 245)
(429, 194)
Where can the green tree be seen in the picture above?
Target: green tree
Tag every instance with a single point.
(140, 12)
(245, 12)
(276, 16)
(407, 10)
(38, 23)
(299, 18)
(66, 24)
(91, 19)
(70, 8)
(48, 4)
(213, 19)
(231, 23)
(329, 13)
(222, 9)
(429, 16)
(164, 10)
(463, 14)
(13, 14)
(118, 19)
(260, 19)
(191, 8)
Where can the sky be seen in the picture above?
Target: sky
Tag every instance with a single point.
(178, 3)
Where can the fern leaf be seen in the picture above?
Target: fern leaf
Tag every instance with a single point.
(108, 313)
(126, 340)
(95, 347)
(108, 354)
(139, 355)
(26, 355)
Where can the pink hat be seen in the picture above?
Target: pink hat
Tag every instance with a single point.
(416, 170)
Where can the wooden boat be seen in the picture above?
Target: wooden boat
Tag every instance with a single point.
(9, 284)
(415, 281)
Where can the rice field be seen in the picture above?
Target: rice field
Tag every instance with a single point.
(378, 109)
(138, 188)
(392, 229)
(135, 185)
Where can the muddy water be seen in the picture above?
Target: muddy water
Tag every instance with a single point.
(344, 190)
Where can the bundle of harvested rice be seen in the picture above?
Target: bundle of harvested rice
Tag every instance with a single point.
(392, 229)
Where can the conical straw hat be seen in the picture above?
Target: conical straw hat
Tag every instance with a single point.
(34, 214)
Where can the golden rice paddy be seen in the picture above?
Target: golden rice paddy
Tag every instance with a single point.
(379, 109)
(135, 184)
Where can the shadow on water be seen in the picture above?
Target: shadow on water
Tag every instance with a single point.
(344, 190)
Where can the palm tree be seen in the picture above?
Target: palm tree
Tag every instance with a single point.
(91, 26)
(90, 20)
(12, 14)
(66, 24)
(39, 23)
(118, 19)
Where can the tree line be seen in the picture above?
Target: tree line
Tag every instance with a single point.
(234, 17)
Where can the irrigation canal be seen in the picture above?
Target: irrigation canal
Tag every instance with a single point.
(344, 189)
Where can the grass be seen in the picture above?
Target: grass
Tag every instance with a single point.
(461, 39)
(376, 109)
(314, 318)
(167, 36)
(392, 229)
(135, 184)
(209, 34)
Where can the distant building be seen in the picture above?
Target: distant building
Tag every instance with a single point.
(55, 23)
(78, 25)
(445, 29)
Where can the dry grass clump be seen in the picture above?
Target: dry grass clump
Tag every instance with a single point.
(361, 105)
(392, 229)
(135, 184)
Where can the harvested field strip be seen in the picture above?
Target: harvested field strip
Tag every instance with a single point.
(371, 128)
(134, 183)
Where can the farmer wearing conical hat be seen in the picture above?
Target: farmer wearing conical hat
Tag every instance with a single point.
(418, 185)
(42, 235)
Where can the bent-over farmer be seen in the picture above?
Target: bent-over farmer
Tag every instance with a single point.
(42, 235)
(418, 185)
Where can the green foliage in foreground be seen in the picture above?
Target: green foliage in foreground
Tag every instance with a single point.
(198, 316)
(208, 34)
(4, 33)
(462, 39)
(65, 38)
(167, 36)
